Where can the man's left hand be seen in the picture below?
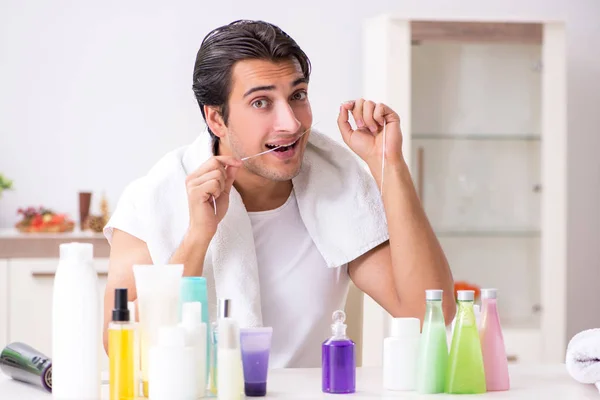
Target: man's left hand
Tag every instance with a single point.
(367, 139)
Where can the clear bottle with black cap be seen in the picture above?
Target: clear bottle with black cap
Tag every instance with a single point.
(123, 377)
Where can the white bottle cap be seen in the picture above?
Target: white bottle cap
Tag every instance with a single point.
(191, 313)
(488, 293)
(75, 251)
(466, 295)
(433, 294)
(406, 327)
(338, 328)
(171, 336)
(229, 334)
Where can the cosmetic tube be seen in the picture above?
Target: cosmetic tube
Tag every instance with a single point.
(255, 344)
(158, 293)
(24, 363)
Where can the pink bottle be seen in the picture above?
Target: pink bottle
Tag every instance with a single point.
(492, 344)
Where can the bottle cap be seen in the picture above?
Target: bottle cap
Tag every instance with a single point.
(434, 294)
(338, 328)
(229, 334)
(224, 308)
(191, 313)
(120, 312)
(466, 295)
(406, 327)
(171, 336)
(489, 293)
(79, 252)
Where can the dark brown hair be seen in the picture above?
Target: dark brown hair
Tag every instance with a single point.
(228, 44)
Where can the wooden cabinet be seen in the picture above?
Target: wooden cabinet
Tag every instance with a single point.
(27, 312)
(483, 116)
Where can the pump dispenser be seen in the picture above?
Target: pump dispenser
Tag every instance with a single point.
(121, 351)
(338, 359)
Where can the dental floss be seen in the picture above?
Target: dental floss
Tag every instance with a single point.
(278, 147)
(260, 154)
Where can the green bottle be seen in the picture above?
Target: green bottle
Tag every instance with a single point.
(433, 351)
(465, 365)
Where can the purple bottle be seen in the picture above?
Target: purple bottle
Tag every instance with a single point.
(338, 360)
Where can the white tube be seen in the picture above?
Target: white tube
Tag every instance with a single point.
(158, 301)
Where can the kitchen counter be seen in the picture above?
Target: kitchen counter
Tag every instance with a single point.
(527, 381)
(14, 244)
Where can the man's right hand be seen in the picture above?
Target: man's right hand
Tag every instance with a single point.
(214, 178)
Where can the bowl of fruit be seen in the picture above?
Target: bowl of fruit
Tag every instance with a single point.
(43, 220)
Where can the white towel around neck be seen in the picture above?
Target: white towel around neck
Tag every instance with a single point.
(338, 199)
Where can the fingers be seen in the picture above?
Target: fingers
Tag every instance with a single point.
(212, 178)
(230, 161)
(367, 115)
(231, 173)
(357, 113)
(219, 175)
(215, 163)
(204, 191)
(343, 123)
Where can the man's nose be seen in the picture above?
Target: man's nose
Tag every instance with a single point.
(286, 120)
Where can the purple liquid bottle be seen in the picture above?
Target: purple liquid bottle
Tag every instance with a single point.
(338, 360)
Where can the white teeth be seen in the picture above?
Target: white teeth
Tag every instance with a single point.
(272, 146)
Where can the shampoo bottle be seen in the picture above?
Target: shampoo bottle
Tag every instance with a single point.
(76, 330)
(495, 362)
(433, 352)
(400, 352)
(123, 382)
(191, 321)
(338, 359)
(465, 364)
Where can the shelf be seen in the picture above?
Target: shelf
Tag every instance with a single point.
(478, 136)
(489, 233)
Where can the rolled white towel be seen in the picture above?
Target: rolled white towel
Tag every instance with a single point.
(583, 357)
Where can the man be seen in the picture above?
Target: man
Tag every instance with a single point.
(251, 83)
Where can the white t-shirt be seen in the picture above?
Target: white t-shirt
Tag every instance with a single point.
(299, 293)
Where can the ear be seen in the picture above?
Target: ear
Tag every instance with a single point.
(214, 120)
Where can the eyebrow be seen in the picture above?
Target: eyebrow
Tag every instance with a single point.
(272, 87)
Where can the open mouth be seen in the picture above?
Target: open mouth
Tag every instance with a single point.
(280, 148)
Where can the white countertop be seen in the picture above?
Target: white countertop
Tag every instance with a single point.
(11, 233)
(527, 382)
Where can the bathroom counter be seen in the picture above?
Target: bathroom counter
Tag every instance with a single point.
(528, 382)
(14, 244)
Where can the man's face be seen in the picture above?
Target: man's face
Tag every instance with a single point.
(268, 107)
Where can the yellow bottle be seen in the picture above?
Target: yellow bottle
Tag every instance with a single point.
(123, 383)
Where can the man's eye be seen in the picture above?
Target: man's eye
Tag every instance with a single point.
(300, 95)
(260, 103)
